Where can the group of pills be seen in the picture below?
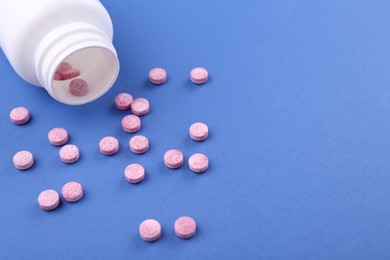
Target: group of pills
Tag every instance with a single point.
(150, 230)
(138, 144)
(77, 87)
(50, 200)
(198, 75)
(23, 160)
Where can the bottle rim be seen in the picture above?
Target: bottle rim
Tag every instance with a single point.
(87, 49)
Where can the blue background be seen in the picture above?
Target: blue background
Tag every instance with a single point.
(298, 107)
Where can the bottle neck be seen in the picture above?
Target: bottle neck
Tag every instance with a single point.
(85, 48)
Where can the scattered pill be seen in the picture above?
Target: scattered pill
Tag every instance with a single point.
(19, 115)
(199, 75)
(140, 106)
(72, 191)
(69, 153)
(135, 173)
(70, 74)
(157, 76)
(131, 123)
(63, 67)
(199, 131)
(23, 160)
(139, 144)
(57, 76)
(185, 227)
(109, 145)
(150, 230)
(78, 87)
(198, 162)
(173, 159)
(123, 101)
(49, 199)
(58, 136)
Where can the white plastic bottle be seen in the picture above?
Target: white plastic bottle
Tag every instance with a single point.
(38, 35)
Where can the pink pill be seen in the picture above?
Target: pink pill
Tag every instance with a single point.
(72, 191)
(131, 123)
(58, 136)
(173, 159)
(64, 66)
(19, 115)
(199, 131)
(123, 101)
(49, 199)
(70, 74)
(199, 75)
(157, 76)
(150, 230)
(198, 162)
(139, 144)
(140, 106)
(185, 227)
(69, 153)
(78, 87)
(109, 145)
(57, 76)
(134, 173)
(23, 160)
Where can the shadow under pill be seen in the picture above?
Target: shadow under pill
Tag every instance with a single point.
(67, 142)
(59, 208)
(31, 120)
(190, 84)
(36, 164)
(209, 168)
(145, 180)
(149, 86)
(146, 244)
(164, 169)
(115, 111)
(84, 197)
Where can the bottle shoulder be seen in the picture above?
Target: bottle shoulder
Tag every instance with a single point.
(36, 20)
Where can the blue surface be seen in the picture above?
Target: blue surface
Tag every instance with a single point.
(298, 106)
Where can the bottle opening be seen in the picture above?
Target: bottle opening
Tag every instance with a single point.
(89, 57)
(98, 67)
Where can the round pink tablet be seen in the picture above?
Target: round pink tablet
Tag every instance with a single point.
(64, 66)
(185, 227)
(123, 101)
(135, 173)
(150, 230)
(131, 123)
(49, 199)
(19, 115)
(72, 191)
(199, 131)
(109, 145)
(23, 160)
(173, 159)
(58, 136)
(69, 153)
(157, 76)
(199, 75)
(139, 144)
(140, 106)
(198, 162)
(57, 76)
(78, 87)
(70, 74)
